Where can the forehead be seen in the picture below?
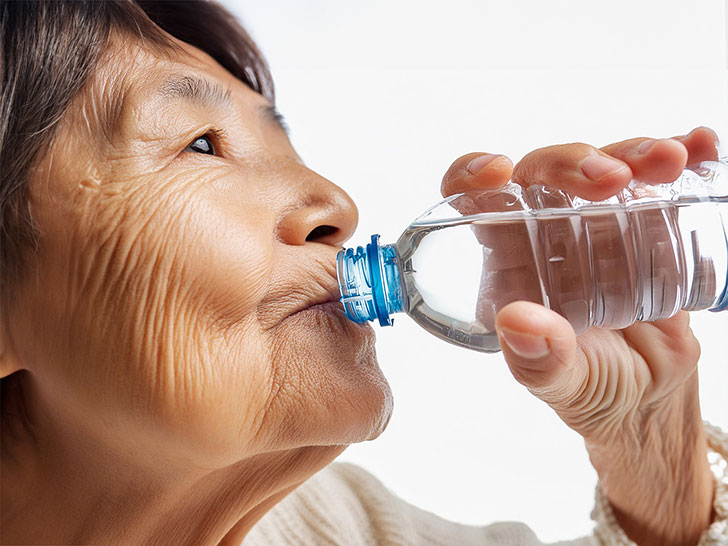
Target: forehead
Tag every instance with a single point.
(131, 74)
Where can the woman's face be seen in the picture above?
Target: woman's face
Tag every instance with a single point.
(174, 302)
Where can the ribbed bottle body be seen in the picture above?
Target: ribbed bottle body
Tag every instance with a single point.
(606, 268)
(642, 255)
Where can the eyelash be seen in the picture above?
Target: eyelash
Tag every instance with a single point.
(217, 134)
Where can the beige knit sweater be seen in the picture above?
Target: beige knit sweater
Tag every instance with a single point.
(345, 505)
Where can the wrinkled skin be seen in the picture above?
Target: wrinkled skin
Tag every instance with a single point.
(176, 388)
(174, 277)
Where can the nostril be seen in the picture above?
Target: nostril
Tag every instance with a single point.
(319, 232)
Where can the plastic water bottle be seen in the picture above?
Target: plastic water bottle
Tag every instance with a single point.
(643, 254)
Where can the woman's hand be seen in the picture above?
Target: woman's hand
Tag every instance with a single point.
(631, 393)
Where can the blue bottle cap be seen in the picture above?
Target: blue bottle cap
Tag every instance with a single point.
(369, 282)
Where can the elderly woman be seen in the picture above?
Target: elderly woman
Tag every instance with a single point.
(175, 367)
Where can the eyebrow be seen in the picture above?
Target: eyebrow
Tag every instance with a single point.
(271, 114)
(195, 89)
(207, 92)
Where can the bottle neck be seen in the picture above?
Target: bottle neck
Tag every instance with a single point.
(370, 282)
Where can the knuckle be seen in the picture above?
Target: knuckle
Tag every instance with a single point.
(687, 351)
(581, 148)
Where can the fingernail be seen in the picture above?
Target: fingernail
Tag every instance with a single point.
(644, 146)
(477, 164)
(525, 345)
(596, 167)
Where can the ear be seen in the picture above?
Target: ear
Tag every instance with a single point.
(8, 359)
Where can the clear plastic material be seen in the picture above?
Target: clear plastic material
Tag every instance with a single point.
(642, 255)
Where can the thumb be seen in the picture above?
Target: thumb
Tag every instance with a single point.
(540, 348)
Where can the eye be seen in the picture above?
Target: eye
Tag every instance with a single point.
(202, 145)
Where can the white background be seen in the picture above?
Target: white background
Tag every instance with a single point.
(382, 95)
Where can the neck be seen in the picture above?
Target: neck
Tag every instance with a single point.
(88, 491)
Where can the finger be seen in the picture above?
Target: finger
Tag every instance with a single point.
(660, 161)
(476, 170)
(540, 348)
(701, 143)
(655, 161)
(578, 169)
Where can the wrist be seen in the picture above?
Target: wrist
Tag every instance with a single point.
(609, 531)
(659, 484)
(674, 513)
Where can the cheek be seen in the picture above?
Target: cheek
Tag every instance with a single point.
(204, 361)
(156, 330)
(229, 258)
(212, 400)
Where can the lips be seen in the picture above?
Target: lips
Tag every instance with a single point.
(304, 292)
(325, 312)
(326, 302)
(327, 307)
(329, 297)
(332, 317)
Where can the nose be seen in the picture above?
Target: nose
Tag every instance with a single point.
(323, 213)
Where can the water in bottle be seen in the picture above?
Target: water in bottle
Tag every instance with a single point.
(643, 254)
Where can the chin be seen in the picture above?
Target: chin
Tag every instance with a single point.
(332, 390)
